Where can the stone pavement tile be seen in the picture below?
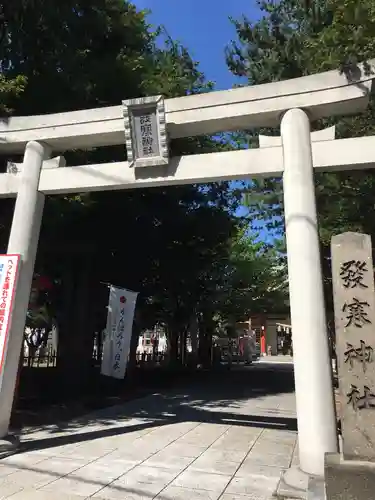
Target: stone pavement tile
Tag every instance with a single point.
(214, 467)
(73, 486)
(134, 433)
(202, 438)
(59, 466)
(276, 448)
(184, 427)
(295, 458)
(285, 437)
(277, 443)
(254, 469)
(178, 493)
(104, 473)
(185, 450)
(8, 488)
(28, 479)
(130, 454)
(210, 427)
(216, 454)
(141, 482)
(282, 461)
(244, 430)
(90, 452)
(137, 492)
(167, 460)
(277, 439)
(218, 461)
(67, 450)
(253, 485)
(148, 475)
(295, 455)
(174, 430)
(251, 496)
(168, 436)
(199, 441)
(266, 405)
(197, 480)
(6, 470)
(46, 452)
(107, 441)
(22, 459)
(279, 435)
(122, 441)
(118, 462)
(152, 444)
(238, 443)
(43, 495)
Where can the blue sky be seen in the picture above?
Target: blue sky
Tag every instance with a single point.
(204, 28)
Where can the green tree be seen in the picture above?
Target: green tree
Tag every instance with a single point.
(86, 54)
(296, 38)
(9, 90)
(256, 280)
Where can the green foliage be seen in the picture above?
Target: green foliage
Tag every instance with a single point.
(256, 279)
(9, 90)
(173, 72)
(75, 54)
(331, 47)
(293, 39)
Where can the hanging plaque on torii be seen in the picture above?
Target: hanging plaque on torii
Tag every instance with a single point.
(145, 131)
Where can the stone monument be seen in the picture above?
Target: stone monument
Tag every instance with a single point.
(351, 474)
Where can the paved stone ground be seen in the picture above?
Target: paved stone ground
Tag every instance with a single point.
(276, 359)
(228, 439)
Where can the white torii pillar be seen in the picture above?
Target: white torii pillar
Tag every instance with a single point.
(23, 240)
(316, 416)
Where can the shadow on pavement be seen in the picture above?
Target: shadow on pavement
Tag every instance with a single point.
(214, 397)
(262, 421)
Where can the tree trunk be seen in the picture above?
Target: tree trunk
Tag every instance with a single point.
(183, 349)
(32, 354)
(77, 342)
(194, 333)
(172, 346)
(132, 363)
(65, 318)
(205, 342)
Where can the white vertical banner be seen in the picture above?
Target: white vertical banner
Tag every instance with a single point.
(118, 333)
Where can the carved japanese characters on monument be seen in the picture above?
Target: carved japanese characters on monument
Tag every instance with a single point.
(145, 131)
(362, 354)
(352, 274)
(354, 302)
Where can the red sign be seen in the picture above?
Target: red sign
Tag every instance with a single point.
(9, 266)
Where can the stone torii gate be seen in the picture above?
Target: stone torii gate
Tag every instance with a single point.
(291, 104)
